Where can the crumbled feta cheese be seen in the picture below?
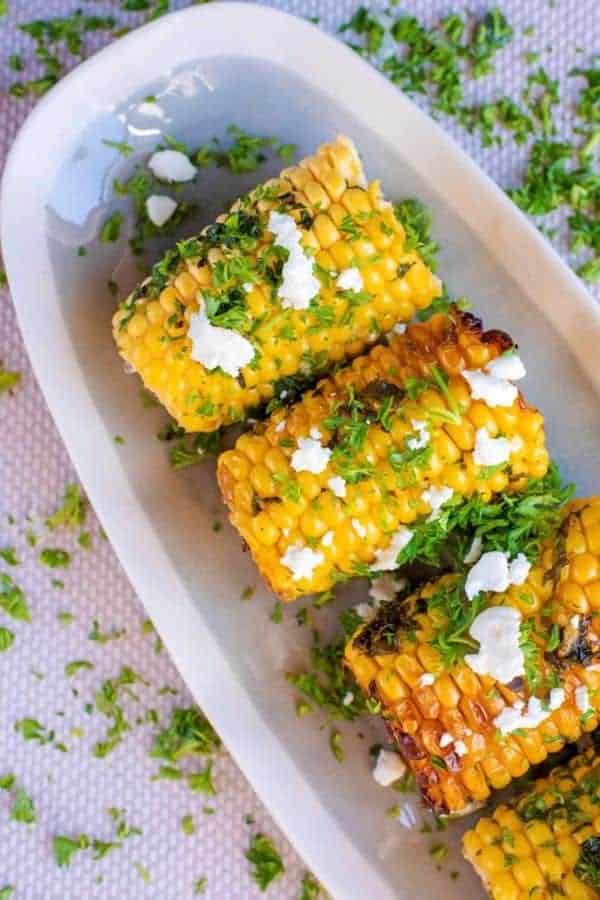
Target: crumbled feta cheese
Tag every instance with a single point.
(310, 456)
(299, 284)
(423, 436)
(364, 610)
(315, 434)
(337, 484)
(498, 631)
(446, 739)
(519, 569)
(385, 588)
(160, 209)
(426, 679)
(348, 698)
(280, 426)
(460, 748)
(388, 768)
(327, 539)
(493, 572)
(557, 697)
(582, 698)
(474, 551)
(489, 451)
(399, 328)
(517, 716)
(350, 280)
(385, 560)
(435, 498)
(248, 286)
(217, 347)
(359, 528)
(171, 165)
(492, 390)
(509, 367)
(301, 561)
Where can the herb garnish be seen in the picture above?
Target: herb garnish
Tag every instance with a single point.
(265, 860)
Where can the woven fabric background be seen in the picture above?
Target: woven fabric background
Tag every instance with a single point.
(72, 790)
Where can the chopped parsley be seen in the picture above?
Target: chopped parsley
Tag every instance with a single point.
(244, 154)
(265, 861)
(12, 599)
(8, 379)
(55, 558)
(310, 889)
(111, 229)
(72, 511)
(9, 555)
(7, 639)
(23, 808)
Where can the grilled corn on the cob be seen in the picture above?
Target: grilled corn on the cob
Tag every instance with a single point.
(327, 489)
(461, 728)
(305, 271)
(547, 842)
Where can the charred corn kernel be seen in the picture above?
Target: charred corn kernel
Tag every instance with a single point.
(492, 740)
(232, 272)
(374, 438)
(537, 855)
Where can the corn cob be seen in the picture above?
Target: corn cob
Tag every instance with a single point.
(393, 425)
(547, 842)
(354, 262)
(465, 734)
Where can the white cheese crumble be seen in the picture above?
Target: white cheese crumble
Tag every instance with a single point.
(348, 698)
(217, 347)
(310, 456)
(509, 367)
(426, 679)
(582, 698)
(364, 610)
(536, 712)
(460, 748)
(171, 165)
(327, 539)
(489, 451)
(492, 390)
(388, 768)
(474, 551)
(301, 561)
(385, 588)
(160, 209)
(280, 426)
(337, 484)
(359, 528)
(493, 572)
(446, 739)
(498, 631)
(350, 280)
(399, 328)
(519, 716)
(423, 437)
(557, 697)
(315, 434)
(385, 560)
(299, 284)
(435, 498)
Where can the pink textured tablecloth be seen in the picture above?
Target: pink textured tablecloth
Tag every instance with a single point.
(72, 790)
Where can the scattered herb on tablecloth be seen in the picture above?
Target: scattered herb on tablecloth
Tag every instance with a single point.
(71, 512)
(9, 380)
(265, 860)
